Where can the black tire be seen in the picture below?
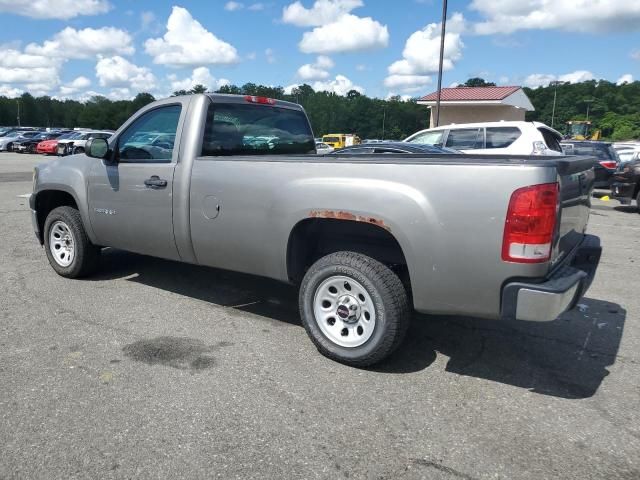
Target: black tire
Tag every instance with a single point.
(387, 293)
(638, 201)
(78, 150)
(86, 255)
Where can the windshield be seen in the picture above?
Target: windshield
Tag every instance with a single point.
(233, 129)
(331, 139)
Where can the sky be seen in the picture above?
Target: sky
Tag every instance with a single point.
(116, 48)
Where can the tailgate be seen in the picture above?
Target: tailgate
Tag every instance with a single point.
(576, 178)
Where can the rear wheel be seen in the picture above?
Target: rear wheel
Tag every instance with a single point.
(69, 250)
(354, 308)
(638, 200)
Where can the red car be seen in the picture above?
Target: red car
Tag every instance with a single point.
(50, 147)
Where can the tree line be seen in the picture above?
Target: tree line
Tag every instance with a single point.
(615, 109)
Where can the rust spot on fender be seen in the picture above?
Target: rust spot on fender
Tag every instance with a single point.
(344, 215)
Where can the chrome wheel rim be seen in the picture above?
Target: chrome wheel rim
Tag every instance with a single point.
(344, 311)
(61, 244)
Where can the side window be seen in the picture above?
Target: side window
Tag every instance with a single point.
(502, 137)
(136, 144)
(465, 138)
(550, 139)
(429, 138)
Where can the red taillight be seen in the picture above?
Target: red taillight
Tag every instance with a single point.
(262, 100)
(530, 224)
(610, 164)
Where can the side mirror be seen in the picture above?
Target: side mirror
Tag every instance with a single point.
(97, 148)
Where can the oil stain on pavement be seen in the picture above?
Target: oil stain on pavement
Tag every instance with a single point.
(176, 352)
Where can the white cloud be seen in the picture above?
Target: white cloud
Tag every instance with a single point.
(256, 7)
(340, 85)
(270, 55)
(74, 87)
(9, 91)
(86, 43)
(635, 54)
(576, 77)
(421, 55)
(232, 6)
(187, 42)
(60, 9)
(539, 80)
(317, 70)
(322, 12)
(626, 78)
(118, 72)
(199, 76)
(407, 83)
(507, 16)
(147, 19)
(15, 59)
(347, 34)
(543, 79)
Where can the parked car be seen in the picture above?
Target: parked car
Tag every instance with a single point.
(394, 147)
(625, 184)
(356, 233)
(4, 131)
(50, 147)
(29, 145)
(491, 138)
(606, 157)
(6, 142)
(323, 148)
(76, 144)
(627, 154)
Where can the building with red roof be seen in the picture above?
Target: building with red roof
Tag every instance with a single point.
(478, 104)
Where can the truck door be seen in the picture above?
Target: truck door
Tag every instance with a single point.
(130, 199)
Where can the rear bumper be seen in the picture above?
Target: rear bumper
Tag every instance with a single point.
(623, 191)
(561, 291)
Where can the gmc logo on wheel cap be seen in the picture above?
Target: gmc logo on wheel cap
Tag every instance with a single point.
(343, 311)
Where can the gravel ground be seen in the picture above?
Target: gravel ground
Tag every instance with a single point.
(154, 369)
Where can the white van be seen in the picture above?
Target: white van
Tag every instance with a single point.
(513, 138)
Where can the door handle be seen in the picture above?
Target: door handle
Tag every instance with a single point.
(155, 181)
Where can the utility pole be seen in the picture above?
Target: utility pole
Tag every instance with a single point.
(588, 102)
(555, 94)
(442, 33)
(18, 102)
(384, 117)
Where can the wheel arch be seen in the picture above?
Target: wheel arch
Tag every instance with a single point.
(44, 201)
(313, 238)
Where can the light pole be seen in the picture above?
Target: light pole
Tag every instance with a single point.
(18, 102)
(442, 33)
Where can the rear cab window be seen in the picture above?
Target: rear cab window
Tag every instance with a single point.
(239, 129)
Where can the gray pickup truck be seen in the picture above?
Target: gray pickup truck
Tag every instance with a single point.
(235, 184)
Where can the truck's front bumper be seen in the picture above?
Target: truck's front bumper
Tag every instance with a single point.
(547, 300)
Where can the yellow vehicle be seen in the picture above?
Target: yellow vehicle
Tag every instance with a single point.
(579, 130)
(341, 140)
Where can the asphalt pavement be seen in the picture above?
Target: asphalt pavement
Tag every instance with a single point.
(155, 369)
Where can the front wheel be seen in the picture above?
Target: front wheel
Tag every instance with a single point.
(354, 308)
(69, 250)
(78, 150)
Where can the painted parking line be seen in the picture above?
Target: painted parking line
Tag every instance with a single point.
(25, 195)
